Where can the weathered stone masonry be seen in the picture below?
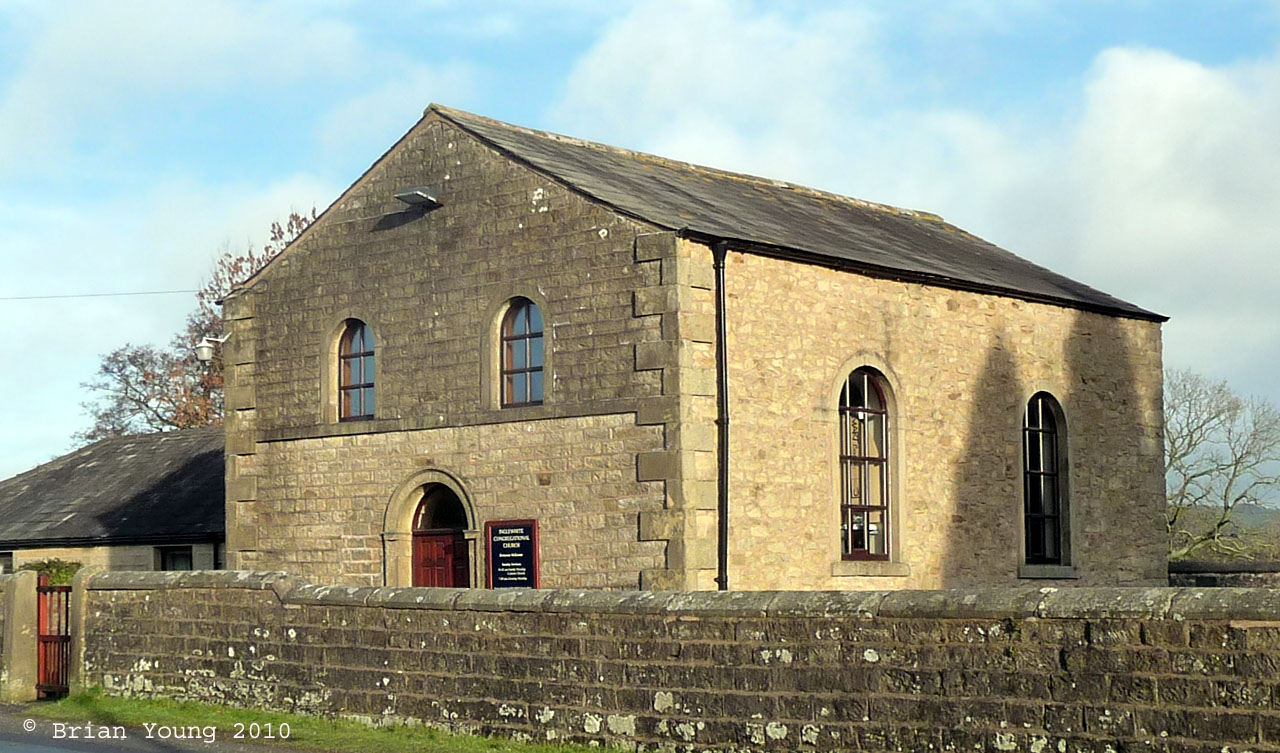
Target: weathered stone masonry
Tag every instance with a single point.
(1086, 669)
(18, 637)
(619, 464)
(308, 494)
(961, 367)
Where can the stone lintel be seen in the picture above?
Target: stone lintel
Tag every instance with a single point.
(660, 465)
(697, 381)
(659, 299)
(242, 488)
(697, 327)
(657, 410)
(696, 274)
(241, 534)
(240, 348)
(662, 580)
(655, 355)
(691, 554)
(237, 306)
(240, 397)
(693, 437)
(654, 246)
(241, 438)
(661, 525)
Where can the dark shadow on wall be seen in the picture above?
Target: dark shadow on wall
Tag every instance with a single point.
(983, 537)
(397, 219)
(1116, 453)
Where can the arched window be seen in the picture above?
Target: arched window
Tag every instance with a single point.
(355, 373)
(522, 354)
(1043, 467)
(864, 467)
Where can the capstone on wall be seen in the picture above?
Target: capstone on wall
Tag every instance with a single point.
(311, 494)
(961, 367)
(1030, 670)
(1244, 574)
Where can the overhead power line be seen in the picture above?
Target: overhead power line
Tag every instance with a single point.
(89, 295)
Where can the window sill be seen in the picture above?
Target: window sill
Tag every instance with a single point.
(869, 569)
(1061, 572)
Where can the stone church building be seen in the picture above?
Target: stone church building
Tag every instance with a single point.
(507, 357)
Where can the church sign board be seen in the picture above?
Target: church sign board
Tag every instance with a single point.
(512, 549)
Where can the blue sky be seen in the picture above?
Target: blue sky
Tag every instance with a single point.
(1132, 145)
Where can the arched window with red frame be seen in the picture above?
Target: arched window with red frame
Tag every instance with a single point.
(522, 354)
(355, 373)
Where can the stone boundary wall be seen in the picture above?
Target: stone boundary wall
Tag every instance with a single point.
(18, 637)
(1026, 669)
(1213, 574)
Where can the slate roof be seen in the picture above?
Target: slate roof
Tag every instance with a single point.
(150, 488)
(785, 219)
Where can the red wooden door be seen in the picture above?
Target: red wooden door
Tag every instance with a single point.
(440, 560)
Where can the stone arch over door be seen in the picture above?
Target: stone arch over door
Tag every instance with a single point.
(429, 486)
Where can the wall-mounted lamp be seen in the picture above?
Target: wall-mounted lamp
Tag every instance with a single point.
(204, 348)
(419, 198)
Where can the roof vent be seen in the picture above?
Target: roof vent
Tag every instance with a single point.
(419, 197)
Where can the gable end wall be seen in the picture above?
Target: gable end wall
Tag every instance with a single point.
(311, 496)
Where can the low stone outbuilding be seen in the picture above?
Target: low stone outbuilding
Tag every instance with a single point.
(509, 357)
(146, 502)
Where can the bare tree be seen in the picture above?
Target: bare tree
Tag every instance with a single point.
(1221, 451)
(142, 388)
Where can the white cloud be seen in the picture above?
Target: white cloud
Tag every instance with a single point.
(370, 122)
(507, 19)
(79, 213)
(164, 239)
(105, 57)
(1156, 182)
(715, 79)
(1174, 169)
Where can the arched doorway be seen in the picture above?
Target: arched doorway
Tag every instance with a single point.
(440, 550)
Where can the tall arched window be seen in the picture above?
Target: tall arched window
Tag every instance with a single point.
(522, 344)
(864, 467)
(355, 373)
(1044, 492)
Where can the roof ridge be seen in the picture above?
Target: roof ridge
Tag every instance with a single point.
(453, 114)
(189, 433)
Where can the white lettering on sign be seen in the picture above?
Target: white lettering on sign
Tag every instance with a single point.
(512, 549)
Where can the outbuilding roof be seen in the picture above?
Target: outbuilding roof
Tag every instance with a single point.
(770, 216)
(167, 487)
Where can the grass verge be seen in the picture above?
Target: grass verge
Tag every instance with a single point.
(305, 732)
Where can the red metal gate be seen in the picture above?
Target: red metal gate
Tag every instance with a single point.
(53, 651)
